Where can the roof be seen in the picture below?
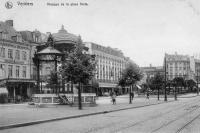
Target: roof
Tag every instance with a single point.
(6, 28)
(63, 37)
(177, 57)
(28, 35)
(49, 51)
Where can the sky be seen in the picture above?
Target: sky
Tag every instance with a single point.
(143, 30)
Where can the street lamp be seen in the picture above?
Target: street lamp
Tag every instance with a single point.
(165, 78)
(175, 94)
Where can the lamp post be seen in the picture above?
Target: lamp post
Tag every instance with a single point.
(165, 78)
(175, 94)
(130, 95)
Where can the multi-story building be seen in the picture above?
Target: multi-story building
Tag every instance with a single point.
(110, 64)
(150, 72)
(182, 66)
(16, 66)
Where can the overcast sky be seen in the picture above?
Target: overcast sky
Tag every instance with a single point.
(143, 29)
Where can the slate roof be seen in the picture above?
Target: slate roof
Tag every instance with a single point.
(49, 51)
(63, 37)
(9, 30)
(177, 57)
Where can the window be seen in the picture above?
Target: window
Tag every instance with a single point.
(10, 53)
(24, 55)
(2, 52)
(24, 72)
(2, 66)
(17, 71)
(4, 36)
(19, 39)
(10, 69)
(36, 39)
(1, 33)
(17, 54)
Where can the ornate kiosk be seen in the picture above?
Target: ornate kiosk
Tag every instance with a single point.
(47, 59)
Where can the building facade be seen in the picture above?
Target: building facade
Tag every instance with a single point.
(184, 66)
(16, 65)
(150, 72)
(110, 64)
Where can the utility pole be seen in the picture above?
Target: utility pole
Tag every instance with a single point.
(175, 94)
(165, 77)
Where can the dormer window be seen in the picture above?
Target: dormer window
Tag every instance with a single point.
(36, 39)
(19, 39)
(34, 36)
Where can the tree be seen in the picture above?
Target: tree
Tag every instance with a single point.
(157, 83)
(130, 75)
(191, 84)
(78, 67)
(179, 82)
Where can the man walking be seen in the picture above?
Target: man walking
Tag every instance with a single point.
(113, 98)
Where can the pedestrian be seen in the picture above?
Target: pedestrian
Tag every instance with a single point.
(147, 93)
(113, 98)
(132, 95)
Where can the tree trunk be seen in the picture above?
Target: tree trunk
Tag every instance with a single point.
(130, 100)
(79, 97)
(158, 93)
(175, 95)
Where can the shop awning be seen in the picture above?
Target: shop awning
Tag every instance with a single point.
(107, 85)
(138, 87)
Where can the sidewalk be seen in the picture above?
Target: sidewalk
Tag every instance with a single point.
(188, 95)
(24, 114)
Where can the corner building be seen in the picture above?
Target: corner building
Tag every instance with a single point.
(16, 66)
(110, 64)
(184, 66)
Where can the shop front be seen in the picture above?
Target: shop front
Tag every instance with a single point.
(19, 90)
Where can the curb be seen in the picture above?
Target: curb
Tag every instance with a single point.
(188, 96)
(74, 116)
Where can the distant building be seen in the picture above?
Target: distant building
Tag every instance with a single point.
(182, 66)
(110, 64)
(150, 72)
(16, 66)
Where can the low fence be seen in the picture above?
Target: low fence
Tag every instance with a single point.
(86, 98)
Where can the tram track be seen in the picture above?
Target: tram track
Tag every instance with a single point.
(130, 123)
(153, 117)
(177, 118)
(187, 124)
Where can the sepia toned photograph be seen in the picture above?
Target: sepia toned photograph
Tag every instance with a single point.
(99, 66)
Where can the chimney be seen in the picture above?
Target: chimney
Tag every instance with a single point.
(9, 22)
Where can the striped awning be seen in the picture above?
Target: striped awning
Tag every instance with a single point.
(107, 85)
